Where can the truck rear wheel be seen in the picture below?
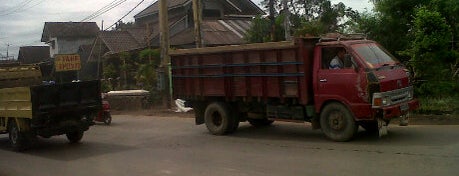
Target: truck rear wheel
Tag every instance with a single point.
(75, 137)
(18, 139)
(337, 122)
(219, 119)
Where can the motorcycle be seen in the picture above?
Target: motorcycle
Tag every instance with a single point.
(104, 115)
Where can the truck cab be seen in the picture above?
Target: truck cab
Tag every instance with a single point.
(373, 84)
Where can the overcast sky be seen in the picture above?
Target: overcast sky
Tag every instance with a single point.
(21, 21)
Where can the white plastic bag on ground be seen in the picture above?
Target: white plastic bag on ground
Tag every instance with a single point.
(181, 106)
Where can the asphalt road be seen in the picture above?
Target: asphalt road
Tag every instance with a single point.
(152, 145)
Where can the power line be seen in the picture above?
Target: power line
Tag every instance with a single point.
(100, 10)
(104, 9)
(126, 14)
(21, 7)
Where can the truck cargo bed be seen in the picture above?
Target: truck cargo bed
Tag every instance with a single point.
(267, 70)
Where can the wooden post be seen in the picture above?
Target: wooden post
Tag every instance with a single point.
(165, 59)
(197, 18)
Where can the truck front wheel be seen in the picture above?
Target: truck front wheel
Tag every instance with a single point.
(337, 122)
(75, 136)
(18, 139)
(219, 119)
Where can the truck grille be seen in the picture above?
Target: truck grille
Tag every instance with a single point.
(392, 97)
(399, 95)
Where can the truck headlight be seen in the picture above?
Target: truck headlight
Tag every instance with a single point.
(379, 100)
(386, 101)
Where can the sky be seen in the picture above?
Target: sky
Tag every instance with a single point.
(22, 21)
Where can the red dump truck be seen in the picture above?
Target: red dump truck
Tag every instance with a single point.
(293, 81)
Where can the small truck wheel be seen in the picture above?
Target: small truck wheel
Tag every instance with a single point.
(18, 139)
(337, 122)
(75, 137)
(107, 118)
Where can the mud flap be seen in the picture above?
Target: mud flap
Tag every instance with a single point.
(382, 127)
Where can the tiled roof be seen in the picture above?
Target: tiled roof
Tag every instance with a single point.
(33, 54)
(69, 29)
(139, 34)
(119, 41)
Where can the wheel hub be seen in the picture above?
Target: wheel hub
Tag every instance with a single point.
(337, 121)
(217, 119)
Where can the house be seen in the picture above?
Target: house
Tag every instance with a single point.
(67, 37)
(33, 54)
(224, 22)
(109, 46)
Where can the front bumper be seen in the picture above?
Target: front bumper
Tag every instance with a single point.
(395, 111)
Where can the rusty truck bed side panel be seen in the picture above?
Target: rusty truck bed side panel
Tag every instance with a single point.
(266, 70)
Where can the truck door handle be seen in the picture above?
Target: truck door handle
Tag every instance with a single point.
(323, 80)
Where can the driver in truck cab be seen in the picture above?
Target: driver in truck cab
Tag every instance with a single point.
(338, 61)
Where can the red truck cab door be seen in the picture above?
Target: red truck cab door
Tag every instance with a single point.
(330, 84)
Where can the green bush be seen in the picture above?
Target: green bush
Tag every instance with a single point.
(444, 105)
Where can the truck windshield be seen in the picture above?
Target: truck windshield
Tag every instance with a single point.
(375, 56)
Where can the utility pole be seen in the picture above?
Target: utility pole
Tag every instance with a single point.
(197, 22)
(271, 19)
(286, 20)
(165, 59)
(7, 49)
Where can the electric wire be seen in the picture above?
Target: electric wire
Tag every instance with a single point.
(17, 8)
(100, 10)
(126, 14)
(104, 9)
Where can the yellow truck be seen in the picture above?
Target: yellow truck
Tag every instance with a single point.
(31, 107)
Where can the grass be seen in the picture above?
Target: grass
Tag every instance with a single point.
(446, 105)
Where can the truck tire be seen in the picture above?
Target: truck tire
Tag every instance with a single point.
(337, 122)
(219, 119)
(260, 122)
(18, 139)
(75, 136)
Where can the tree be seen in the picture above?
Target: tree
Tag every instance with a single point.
(261, 30)
(389, 24)
(312, 17)
(147, 65)
(430, 54)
